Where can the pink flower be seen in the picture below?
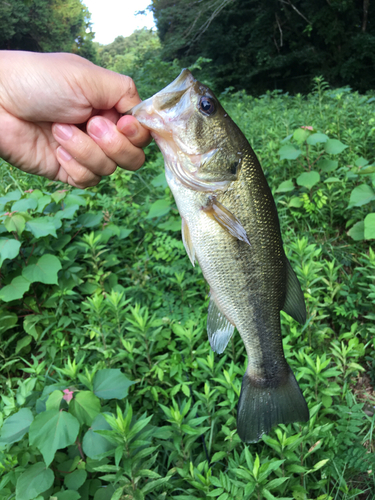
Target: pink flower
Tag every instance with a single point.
(308, 127)
(68, 395)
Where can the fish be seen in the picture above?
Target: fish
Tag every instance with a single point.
(231, 228)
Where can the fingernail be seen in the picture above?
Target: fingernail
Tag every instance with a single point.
(64, 155)
(63, 132)
(98, 127)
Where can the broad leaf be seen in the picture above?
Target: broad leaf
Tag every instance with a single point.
(15, 290)
(295, 202)
(326, 165)
(160, 181)
(24, 205)
(289, 152)
(285, 187)
(11, 196)
(44, 271)
(41, 226)
(15, 223)
(111, 384)
(67, 495)
(361, 195)
(9, 248)
(52, 430)
(85, 406)
(334, 146)
(308, 179)
(75, 479)
(68, 212)
(369, 227)
(300, 135)
(94, 444)
(16, 426)
(90, 219)
(159, 208)
(7, 321)
(35, 480)
(316, 139)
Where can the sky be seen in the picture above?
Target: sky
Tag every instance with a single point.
(112, 18)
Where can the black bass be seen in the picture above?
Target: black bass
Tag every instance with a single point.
(230, 226)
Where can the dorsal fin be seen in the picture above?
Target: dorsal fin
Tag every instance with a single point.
(219, 329)
(294, 304)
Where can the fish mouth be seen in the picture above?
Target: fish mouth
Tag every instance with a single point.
(153, 112)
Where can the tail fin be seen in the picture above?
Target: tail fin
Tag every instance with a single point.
(260, 407)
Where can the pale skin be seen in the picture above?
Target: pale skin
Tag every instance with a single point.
(60, 117)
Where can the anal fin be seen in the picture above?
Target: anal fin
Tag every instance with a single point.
(219, 329)
(226, 220)
(294, 304)
(186, 239)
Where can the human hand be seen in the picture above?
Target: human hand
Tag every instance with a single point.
(58, 115)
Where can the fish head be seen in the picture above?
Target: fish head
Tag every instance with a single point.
(200, 143)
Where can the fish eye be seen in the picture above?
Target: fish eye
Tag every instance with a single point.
(207, 106)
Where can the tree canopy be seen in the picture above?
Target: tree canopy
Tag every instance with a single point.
(274, 43)
(46, 26)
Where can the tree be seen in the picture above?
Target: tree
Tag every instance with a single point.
(46, 26)
(273, 43)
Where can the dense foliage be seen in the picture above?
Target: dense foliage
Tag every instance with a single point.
(109, 387)
(272, 44)
(46, 26)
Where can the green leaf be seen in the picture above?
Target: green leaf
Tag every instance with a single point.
(16, 426)
(111, 384)
(75, 479)
(25, 341)
(295, 202)
(316, 139)
(54, 400)
(15, 223)
(11, 196)
(361, 162)
(67, 213)
(289, 152)
(361, 195)
(53, 430)
(7, 321)
(24, 205)
(160, 181)
(159, 208)
(334, 146)
(105, 493)
(300, 135)
(57, 196)
(94, 444)
(74, 199)
(41, 226)
(35, 480)
(85, 406)
(18, 286)
(369, 224)
(67, 495)
(9, 249)
(326, 165)
(285, 186)
(308, 179)
(357, 232)
(330, 180)
(44, 271)
(275, 483)
(327, 401)
(172, 224)
(43, 202)
(90, 219)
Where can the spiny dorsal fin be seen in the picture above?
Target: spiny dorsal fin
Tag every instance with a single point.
(219, 329)
(227, 220)
(186, 239)
(294, 304)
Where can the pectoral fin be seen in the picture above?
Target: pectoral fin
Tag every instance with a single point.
(227, 220)
(294, 304)
(186, 239)
(219, 329)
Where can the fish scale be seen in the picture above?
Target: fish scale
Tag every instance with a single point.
(230, 226)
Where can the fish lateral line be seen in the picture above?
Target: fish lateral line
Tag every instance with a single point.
(226, 219)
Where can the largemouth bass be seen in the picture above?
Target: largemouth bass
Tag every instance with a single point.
(230, 226)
